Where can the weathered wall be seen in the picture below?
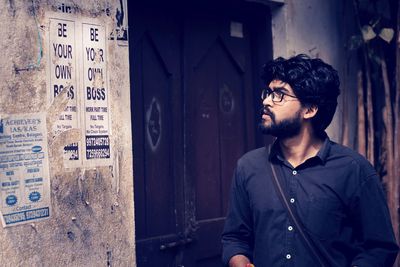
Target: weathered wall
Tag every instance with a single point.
(320, 29)
(92, 218)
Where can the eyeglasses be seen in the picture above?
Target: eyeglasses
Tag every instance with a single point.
(276, 95)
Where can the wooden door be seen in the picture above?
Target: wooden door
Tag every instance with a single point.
(157, 137)
(219, 128)
(193, 116)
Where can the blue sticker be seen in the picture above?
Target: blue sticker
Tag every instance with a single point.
(34, 196)
(11, 200)
(36, 149)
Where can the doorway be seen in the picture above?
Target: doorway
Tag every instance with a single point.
(194, 96)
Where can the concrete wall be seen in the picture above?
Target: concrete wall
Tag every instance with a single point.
(320, 29)
(92, 215)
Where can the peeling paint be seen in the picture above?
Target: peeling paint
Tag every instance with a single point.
(11, 8)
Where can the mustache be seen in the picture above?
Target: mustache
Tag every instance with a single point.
(266, 111)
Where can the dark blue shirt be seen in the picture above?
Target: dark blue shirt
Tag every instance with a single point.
(337, 195)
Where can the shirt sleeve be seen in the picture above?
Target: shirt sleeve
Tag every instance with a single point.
(237, 237)
(373, 227)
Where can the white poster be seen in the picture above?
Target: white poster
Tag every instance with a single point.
(96, 107)
(63, 76)
(24, 169)
(78, 64)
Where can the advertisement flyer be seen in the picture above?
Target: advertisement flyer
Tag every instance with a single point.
(77, 57)
(96, 108)
(63, 76)
(24, 169)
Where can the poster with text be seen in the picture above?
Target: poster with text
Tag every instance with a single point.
(24, 169)
(63, 76)
(96, 99)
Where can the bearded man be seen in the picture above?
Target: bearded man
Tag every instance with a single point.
(335, 192)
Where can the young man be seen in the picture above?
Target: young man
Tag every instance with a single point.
(335, 191)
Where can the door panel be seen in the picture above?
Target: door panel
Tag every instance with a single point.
(232, 109)
(157, 138)
(216, 128)
(204, 128)
(216, 85)
(157, 114)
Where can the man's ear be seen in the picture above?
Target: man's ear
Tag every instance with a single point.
(310, 111)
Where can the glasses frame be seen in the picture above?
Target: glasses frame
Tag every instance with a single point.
(266, 92)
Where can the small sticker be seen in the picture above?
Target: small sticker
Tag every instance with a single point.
(236, 29)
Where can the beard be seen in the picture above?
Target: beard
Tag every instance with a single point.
(284, 129)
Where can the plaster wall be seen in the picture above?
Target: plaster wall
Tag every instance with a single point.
(320, 29)
(92, 215)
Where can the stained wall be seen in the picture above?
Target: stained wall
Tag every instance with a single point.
(91, 219)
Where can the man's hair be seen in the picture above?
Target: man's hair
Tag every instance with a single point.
(314, 83)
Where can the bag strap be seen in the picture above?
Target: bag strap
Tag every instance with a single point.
(296, 220)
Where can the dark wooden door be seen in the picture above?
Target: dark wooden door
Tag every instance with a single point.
(219, 127)
(193, 116)
(157, 137)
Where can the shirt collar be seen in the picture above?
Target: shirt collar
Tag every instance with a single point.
(276, 153)
(324, 150)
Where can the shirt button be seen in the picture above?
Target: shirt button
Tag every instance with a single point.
(288, 256)
(292, 200)
(290, 228)
(294, 172)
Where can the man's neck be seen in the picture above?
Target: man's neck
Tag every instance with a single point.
(301, 147)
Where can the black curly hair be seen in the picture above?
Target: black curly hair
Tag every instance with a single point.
(314, 82)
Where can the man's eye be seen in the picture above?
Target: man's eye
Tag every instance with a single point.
(278, 94)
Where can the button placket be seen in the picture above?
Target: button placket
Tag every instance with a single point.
(292, 189)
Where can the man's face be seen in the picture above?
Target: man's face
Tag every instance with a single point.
(282, 113)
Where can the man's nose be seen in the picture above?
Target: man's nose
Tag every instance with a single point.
(267, 101)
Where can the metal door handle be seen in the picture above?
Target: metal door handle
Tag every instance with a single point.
(177, 243)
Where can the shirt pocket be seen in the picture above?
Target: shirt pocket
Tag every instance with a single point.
(324, 218)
